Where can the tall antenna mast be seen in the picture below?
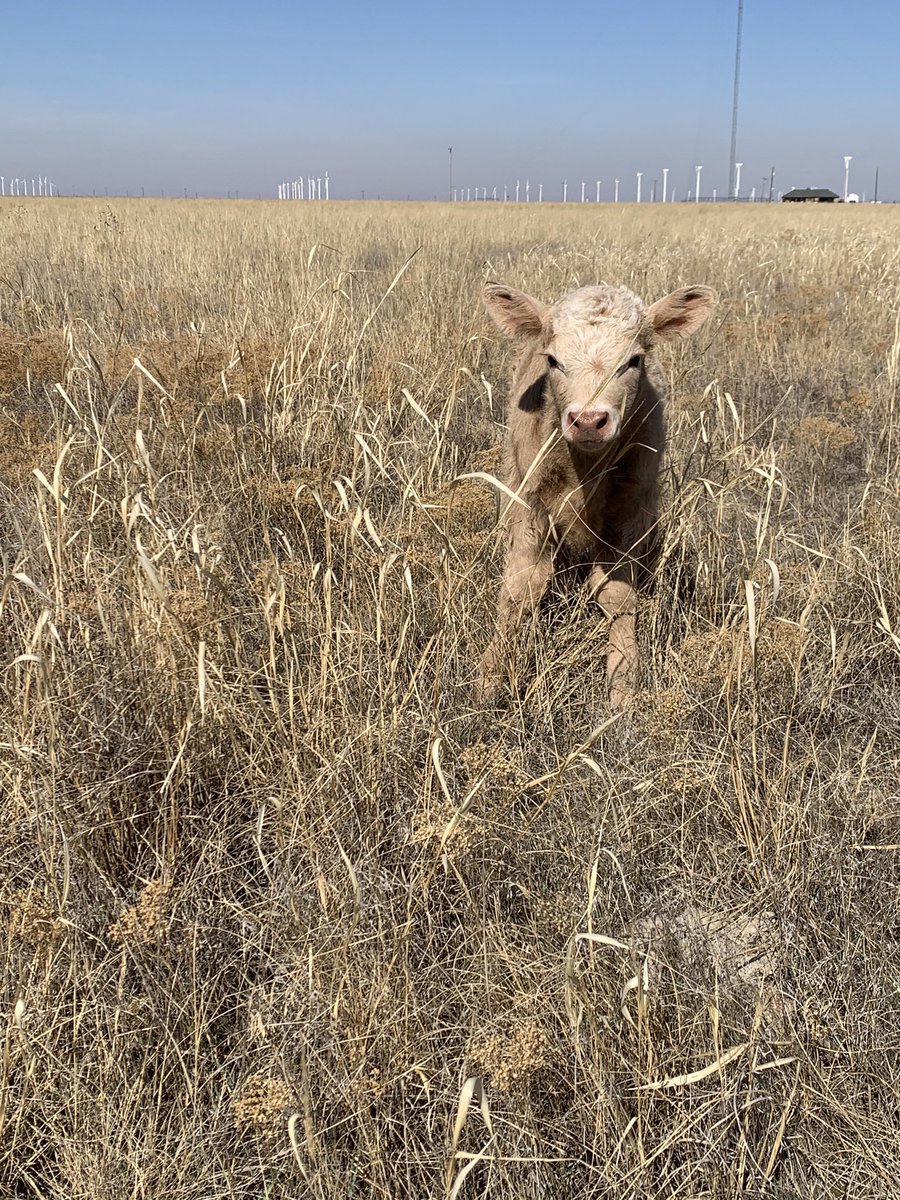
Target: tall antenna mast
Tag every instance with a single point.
(734, 108)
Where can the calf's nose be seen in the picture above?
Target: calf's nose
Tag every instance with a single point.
(589, 422)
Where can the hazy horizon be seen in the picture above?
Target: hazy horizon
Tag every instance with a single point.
(218, 100)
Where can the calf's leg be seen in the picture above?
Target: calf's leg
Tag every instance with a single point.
(528, 569)
(618, 599)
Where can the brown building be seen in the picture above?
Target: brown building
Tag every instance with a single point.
(811, 195)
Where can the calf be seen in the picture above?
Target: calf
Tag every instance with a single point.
(586, 433)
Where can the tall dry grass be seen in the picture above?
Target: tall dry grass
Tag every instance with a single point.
(285, 913)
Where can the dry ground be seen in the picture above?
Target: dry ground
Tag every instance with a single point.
(285, 914)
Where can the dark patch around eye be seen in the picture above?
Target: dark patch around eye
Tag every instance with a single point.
(553, 363)
(532, 398)
(636, 361)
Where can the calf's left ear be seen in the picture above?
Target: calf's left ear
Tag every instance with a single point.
(680, 313)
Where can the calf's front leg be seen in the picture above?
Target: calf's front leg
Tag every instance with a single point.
(618, 599)
(527, 572)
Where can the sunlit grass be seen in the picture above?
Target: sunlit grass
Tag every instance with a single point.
(287, 913)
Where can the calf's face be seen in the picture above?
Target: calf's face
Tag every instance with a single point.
(586, 355)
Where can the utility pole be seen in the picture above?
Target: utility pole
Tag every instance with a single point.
(737, 85)
(450, 187)
(875, 196)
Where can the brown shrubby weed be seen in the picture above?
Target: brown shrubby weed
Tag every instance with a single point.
(513, 1057)
(262, 1104)
(145, 923)
(32, 920)
(268, 869)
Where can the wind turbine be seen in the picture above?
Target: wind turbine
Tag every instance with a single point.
(565, 189)
(737, 180)
(598, 191)
(617, 191)
(697, 190)
(848, 159)
(665, 183)
(640, 175)
(582, 191)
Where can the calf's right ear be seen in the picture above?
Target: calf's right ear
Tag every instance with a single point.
(514, 312)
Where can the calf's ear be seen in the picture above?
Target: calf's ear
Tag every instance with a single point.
(514, 312)
(680, 313)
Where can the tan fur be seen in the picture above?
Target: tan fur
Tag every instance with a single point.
(596, 501)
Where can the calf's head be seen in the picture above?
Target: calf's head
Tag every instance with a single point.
(587, 354)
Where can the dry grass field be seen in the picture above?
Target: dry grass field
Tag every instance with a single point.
(286, 913)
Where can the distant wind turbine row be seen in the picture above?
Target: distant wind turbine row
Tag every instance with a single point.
(304, 189)
(42, 186)
(520, 191)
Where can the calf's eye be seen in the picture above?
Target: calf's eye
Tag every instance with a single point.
(553, 363)
(632, 365)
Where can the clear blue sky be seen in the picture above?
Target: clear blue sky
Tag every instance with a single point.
(233, 97)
